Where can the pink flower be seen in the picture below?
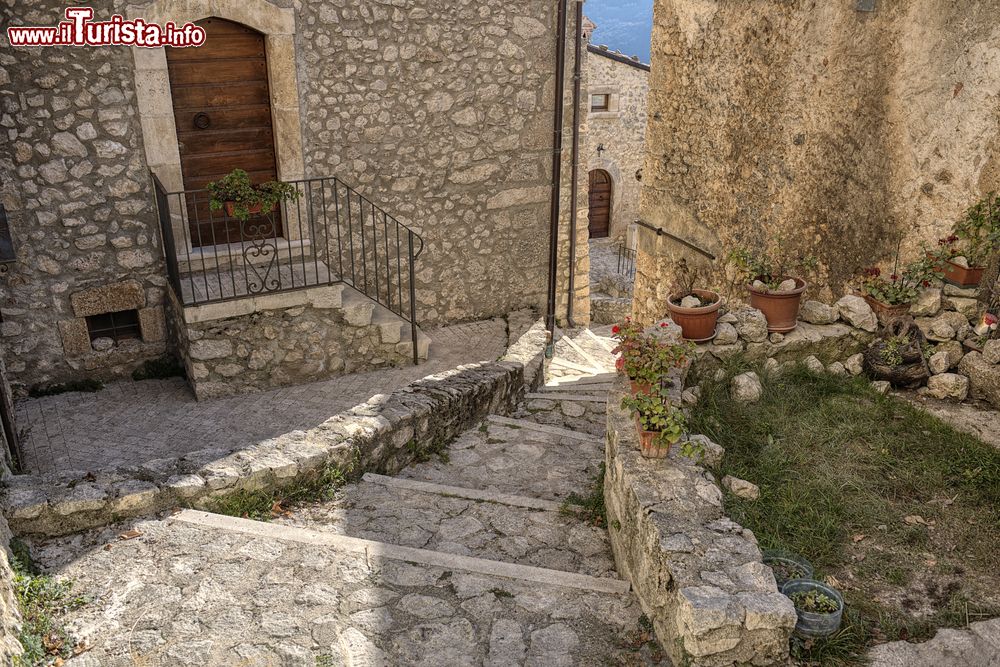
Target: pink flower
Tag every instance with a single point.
(619, 363)
(990, 318)
(664, 324)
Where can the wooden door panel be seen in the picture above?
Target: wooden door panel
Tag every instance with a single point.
(599, 201)
(222, 110)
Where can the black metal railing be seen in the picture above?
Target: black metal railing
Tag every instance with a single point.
(684, 242)
(626, 261)
(329, 234)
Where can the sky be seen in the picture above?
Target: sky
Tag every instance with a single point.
(624, 25)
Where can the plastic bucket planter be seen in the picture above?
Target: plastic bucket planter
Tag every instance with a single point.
(787, 565)
(813, 624)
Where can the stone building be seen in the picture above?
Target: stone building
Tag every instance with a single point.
(618, 86)
(434, 117)
(839, 129)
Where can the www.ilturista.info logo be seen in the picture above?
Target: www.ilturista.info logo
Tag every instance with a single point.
(79, 30)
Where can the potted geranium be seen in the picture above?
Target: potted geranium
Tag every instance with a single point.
(962, 256)
(695, 311)
(773, 289)
(646, 359)
(658, 423)
(891, 296)
(241, 199)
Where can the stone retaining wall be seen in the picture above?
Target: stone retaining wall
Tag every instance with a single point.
(383, 435)
(698, 575)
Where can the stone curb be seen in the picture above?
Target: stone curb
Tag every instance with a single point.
(699, 575)
(375, 436)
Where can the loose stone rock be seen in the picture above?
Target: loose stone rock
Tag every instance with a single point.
(726, 334)
(948, 385)
(991, 351)
(857, 312)
(815, 312)
(881, 386)
(855, 364)
(813, 364)
(751, 325)
(741, 487)
(927, 304)
(746, 387)
(984, 377)
(836, 368)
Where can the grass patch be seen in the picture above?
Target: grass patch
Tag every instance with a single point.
(89, 386)
(159, 369)
(42, 599)
(889, 501)
(420, 454)
(591, 506)
(263, 504)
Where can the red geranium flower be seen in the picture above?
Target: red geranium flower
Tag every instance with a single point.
(615, 329)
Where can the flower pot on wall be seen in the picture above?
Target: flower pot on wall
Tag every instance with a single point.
(697, 324)
(255, 209)
(780, 308)
(886, 312)
(640, 387)
(648, 446)
(961, 276)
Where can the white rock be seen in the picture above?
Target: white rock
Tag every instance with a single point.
(751, 325)
(102, 344)
(725, 334)
(813, 364)
(836, 368)
(857, 312)
(855, 364)
(776, 337)
(960, 261)
(991, 351)
(948, 385)
(690, 302)
(691, 396)
(927, 304)
(787, 286)
(939, 363)
(968, 307)
(881, 386)
(815, 312)
(758, 285)
(771, 366)
(746, 387)
(741, 487)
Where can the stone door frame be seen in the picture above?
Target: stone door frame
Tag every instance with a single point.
(155, 105)
(615, 224)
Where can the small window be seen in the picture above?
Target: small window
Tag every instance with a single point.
(123, 325)
(600, 102)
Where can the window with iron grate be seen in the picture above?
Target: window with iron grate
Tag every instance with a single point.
(123, 325)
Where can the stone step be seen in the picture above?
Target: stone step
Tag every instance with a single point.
(443, 520)
(598, 358)
(548, 464)
(541, 428)
(386, 550)
(599, 397)
(603, 379)
(562, 362)
(359, 310)
(605, 342)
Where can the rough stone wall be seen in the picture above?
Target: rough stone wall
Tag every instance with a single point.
(840, 130)
(441, 111)
(621, 131)
(280, 346)
(78, 195)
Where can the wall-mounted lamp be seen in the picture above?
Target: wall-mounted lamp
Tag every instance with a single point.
(638, 174)
(600, 149)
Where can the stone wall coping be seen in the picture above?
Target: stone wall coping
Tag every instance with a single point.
(699, 576)
(374, 436)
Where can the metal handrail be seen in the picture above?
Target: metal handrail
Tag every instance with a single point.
(330, 234)
(684, 242)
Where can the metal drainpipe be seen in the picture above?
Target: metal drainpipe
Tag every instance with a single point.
(577, 77)
(557, 148)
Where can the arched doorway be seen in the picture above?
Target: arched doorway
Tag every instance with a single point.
(222, 111)
(600, 203)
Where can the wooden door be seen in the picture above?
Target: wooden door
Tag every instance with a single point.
(223, 114)
(600, 203)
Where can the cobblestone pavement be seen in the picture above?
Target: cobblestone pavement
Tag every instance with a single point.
(129, 423)
(488, 570)
(604, 263)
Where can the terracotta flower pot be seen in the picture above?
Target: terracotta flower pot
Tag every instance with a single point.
(961, 276)
(647, 443)
(780, 308)
(697, 324)
(886, 312)
(640, 387)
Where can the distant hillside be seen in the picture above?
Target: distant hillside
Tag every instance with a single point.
(624, 25)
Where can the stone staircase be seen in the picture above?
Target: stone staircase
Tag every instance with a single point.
(481, 554)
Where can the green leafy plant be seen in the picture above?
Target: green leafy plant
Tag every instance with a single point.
(41, 600)
(246, 197)
(977, 235)
(892, 351)
(770, 267)
(659, 416)
(814, 601)
(899, 287)
(591, 506)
